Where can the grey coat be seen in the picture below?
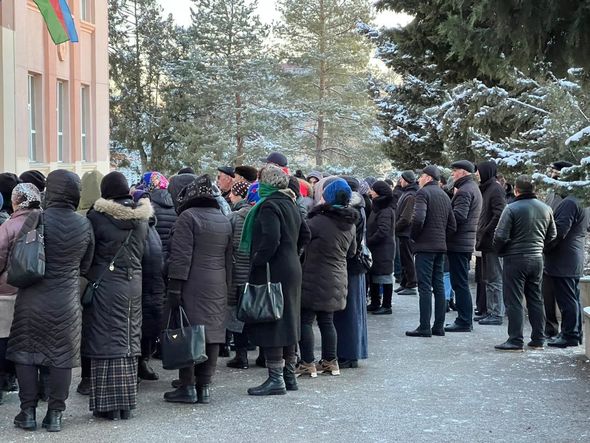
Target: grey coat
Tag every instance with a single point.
(241, 260)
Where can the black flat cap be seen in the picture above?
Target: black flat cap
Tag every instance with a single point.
(409, 176)
(227, 170)
(465, 165)
(561, 164)
(433, 171)
(277, 158)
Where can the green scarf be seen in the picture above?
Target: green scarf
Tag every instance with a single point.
(264, 190)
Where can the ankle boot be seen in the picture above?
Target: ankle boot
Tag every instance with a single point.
(224, 351)
(290, 377)
(52, 421)
(26, 419)
(144, 371)
(203, 394)
(274, 384)
(184, 394)
(84, 386)
(240, 361)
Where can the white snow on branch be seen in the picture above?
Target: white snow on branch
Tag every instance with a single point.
(578, 135)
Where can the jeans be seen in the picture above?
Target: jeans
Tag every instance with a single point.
(567, 295)
(407, 262)
(430, 270)
(59, 381)
(492, 278)
(459, 267)
(202, 373)
(522, 278)
(327, 330)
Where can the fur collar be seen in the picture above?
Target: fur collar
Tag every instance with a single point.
(143, 210)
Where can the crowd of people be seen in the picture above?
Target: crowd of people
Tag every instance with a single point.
(332, 242)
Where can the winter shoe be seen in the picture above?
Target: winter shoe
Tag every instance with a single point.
(290, 377)
(184, 394)
(306, 369)
(509, 347)
(480, 317)
(347, 364)
(408, 291)
(457, 328)
(399, 289)
(561, 342)
(536, 344)
(492, 320)
(371, 307)
(383, 311)
(84, 386)
(240, 361)
(328, 367)
(274, 384)
(176, 383)
(203, 396)
(144, 371)
(260, 361)
(52, 421)
(125, 414)
(26, 419)
(419, 333)
(224, 351)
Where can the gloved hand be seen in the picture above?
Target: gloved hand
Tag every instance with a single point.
(174, 293)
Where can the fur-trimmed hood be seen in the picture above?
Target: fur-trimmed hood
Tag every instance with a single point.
(125, 209)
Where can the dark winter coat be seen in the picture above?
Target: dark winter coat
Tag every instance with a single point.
(433, 219)
(153, 288)
(358, 204)
(466, 204)
(564, 256)
(165, 214)
(398, 191)
(333, 240)
(241, 259)
(381, 235)
(494, 202)
(47, 317)
(112, 323)
(405, 210)
(200, 257)
(525, 228)
(279, 234)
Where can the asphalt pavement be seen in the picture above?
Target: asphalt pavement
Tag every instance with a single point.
(453, 388)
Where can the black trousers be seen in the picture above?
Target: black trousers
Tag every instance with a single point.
(58, 380)
(387, 295)
(201, 374)
(522, 278)
(86, 365)
(480, 297)
(327, 330)
(409, 279)
(6, 366)
(551, 323)
(564, 291)
(275, 355)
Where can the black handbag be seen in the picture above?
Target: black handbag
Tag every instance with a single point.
(92, 286)
(184, 347)
(261, 303)
(26, 265)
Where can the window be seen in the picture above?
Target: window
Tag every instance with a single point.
(85, 10)
(60, 121)
(32, 109)
(85, 120)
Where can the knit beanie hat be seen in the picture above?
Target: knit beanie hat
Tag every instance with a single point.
(113, 186)
(409, 176)
(249, 173)
(274, 176)
(26, 196)
(382, 189)
(8, 181)
(240, 189)
(337, 193)
(35, 177)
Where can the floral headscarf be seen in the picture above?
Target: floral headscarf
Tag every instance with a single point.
(26, 196)
(154, 180)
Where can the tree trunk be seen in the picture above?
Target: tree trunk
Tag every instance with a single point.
(321, 125)
(240, 152)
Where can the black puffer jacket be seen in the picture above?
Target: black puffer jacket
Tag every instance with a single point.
(466, 204)
(433, 219)
(381, 235)
(165, 214)
(241, 260)
(564, 257)
(333, 240)
(112, 323)
(152, 284)
(405, 210)
(47, 317)
(525, 228)
(494, 202)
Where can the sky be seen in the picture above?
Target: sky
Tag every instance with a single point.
(266, 8)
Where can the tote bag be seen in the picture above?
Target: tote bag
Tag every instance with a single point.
(261, 303)
(26, 265)
(183, 347)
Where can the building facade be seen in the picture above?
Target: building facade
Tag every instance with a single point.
(54, 100)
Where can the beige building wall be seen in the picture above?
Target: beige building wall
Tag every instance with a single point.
(29, 123)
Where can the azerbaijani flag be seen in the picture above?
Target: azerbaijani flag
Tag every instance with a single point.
(60, 22)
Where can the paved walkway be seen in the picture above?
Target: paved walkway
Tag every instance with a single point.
(453, 388)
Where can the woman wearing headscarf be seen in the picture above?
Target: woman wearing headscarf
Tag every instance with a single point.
(7, 183)
(274, 233)
(157, 186)
(199, 274)
(333, 240)
(112, 322)
(47, 315)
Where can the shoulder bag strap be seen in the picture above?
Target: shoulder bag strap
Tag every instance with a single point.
(111, 264)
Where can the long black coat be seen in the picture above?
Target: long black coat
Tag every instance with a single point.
(494, 202)
(564, 256)
(381, 235)
(241, 259)
(333, 240)
(432, 220)
(47, 317)
(201, 257)
(152, 284)
(405, 210)
(466, 205)
(112, 323)
(165, 214)
(278, 235)
(358, 204)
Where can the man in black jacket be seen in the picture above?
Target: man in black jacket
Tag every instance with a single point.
(432, 220)
(494, 202)
(525, 228)
(564, 265)
(466, 205)
(405, 209)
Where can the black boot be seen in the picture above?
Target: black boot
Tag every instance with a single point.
(144, 371)
(203, 394)
(26, 419)
(184, 394)
(274, 384)
(10, 384)
(52, 421)
(240, 361)
(261, 360)
(84, 386)
(289, 377)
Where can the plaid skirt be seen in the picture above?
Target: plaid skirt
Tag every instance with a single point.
(113, 384)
